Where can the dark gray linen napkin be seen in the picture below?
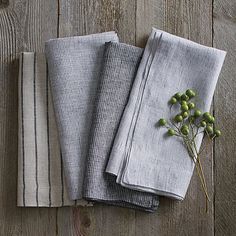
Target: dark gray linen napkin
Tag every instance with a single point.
(142, 158)
(120, 64)
(74, 66)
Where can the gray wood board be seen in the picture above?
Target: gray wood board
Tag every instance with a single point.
(25, 25)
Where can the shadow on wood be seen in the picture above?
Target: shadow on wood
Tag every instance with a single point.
(4, 3)
(9, 49)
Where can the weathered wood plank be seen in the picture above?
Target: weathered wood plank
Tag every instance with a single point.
(25, 25)
(225, 99)
(4, 3)
(189, 19)
(87, 17)
(38, 221)
(10, 216)
(38, 22)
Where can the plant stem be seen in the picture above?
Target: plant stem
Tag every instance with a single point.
(190, 143)
(198, 157)
(200, 165)
(199, 169)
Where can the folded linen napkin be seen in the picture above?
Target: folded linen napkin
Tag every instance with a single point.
(74, 66)
(120, 65)
(141, 158)
(40, 174)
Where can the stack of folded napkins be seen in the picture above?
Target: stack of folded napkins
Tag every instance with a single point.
(87, 114)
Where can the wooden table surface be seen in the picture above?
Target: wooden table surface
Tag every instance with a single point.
(26, 24)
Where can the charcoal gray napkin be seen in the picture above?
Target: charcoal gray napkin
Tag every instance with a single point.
(74, 66)
(142, 158)
(120, 65)
(40, 174)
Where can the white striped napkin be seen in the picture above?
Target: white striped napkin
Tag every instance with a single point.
(40, 174)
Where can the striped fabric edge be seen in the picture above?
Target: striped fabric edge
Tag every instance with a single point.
(41, 180)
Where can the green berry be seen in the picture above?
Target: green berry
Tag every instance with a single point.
(184, 131)
(173, 100)
(171, 132)
(207, 116)
(184, 107)
(203, 123)
(184, 103)
(197, 113)
(209, 129)
(190, 93)
(178, 118)
(184, 97)
(191, 105)
(162, 122)
(211, 119)
(178, 96)
(185, 114)
(184, 127)
(217, 133)
(192, 119)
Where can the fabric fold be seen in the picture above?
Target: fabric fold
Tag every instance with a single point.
(142, 158)
(40, 174)
(74, 73)
(120, 65)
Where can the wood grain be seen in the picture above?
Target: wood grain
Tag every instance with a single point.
(4, 3)
(10, 216)
(26, 24)
(225, 100)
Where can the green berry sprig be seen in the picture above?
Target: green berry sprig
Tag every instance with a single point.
(187, 125)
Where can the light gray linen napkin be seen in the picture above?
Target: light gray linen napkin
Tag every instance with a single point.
(120, 65)
(142, 158)
(74, 66)
(40, 174)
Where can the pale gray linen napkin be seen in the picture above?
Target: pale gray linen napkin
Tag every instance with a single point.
(120, 65)
(40, 174)
(74, 66)
(142, 158)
